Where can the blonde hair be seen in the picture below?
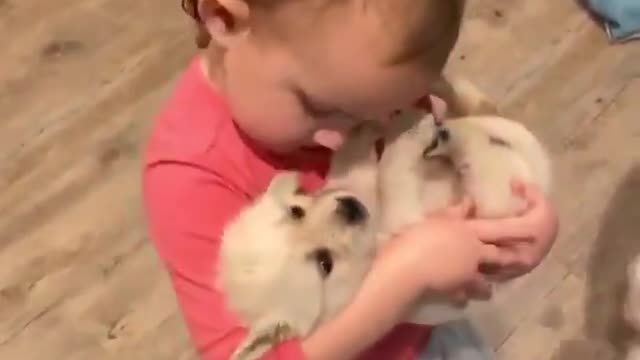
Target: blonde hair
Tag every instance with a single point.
(408, 30)
(203, 39)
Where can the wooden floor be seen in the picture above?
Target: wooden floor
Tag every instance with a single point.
(79, 85)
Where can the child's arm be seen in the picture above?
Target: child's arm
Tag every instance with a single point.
(440, 254)
(378, 307)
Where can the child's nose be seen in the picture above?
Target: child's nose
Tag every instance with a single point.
(424, 103)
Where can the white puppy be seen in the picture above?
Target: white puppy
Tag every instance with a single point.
(426, 167)
(291, 261)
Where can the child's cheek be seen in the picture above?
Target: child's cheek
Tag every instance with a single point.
(274, 120)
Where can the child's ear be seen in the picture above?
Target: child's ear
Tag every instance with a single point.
(224, 20)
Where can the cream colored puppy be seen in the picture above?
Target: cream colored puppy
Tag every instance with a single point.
(291, 261)
(426, 167)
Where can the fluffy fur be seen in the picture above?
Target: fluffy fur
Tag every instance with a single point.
(291, 261)
(426, 167)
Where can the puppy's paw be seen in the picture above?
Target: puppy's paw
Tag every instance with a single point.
(261, 339)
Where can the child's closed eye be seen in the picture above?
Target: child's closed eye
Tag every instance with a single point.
(312, 108)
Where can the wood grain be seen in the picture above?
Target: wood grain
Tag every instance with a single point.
(80, 86)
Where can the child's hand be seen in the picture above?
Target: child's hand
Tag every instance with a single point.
(524, 240)
(441, 254)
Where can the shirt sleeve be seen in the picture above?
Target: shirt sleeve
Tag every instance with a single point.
(187, 208)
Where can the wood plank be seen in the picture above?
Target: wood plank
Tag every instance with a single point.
(79, 62)
(548, 91)
(62, 258)
(79, 274)
(581, 318)
(506, 44)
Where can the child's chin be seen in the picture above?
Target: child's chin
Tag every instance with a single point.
(328, 138)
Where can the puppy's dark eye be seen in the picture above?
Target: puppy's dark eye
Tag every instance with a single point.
(297, 212)
(324, 260)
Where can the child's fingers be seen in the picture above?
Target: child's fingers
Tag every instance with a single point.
(528, 192)
(518, 187)
(501, 231)
(480, 289)
(460, 210)
(460, 298)
(494, 258)
(520, 227)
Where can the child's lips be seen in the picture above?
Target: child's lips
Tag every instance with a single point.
(328, 138)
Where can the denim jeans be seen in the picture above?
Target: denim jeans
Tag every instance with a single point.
(457, 340)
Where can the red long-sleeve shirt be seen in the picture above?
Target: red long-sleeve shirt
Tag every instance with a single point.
(199, 171)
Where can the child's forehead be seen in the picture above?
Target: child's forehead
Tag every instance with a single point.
(406, 29)
(414, 26)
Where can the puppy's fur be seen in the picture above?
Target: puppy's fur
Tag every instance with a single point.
(291, 261)
(426, 167)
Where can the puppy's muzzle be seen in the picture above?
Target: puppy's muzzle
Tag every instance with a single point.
(351, 210)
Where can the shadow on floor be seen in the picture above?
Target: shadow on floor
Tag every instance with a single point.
(605, 333)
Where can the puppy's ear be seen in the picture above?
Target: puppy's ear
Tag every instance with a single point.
(284, 185)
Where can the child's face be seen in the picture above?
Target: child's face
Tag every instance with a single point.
(326, 72)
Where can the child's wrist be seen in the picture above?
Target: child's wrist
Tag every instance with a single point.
(414, 282)
(373, 304)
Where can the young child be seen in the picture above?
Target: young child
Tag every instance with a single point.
(278, 86)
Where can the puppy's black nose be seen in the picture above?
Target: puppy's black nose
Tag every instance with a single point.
(351, 210)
